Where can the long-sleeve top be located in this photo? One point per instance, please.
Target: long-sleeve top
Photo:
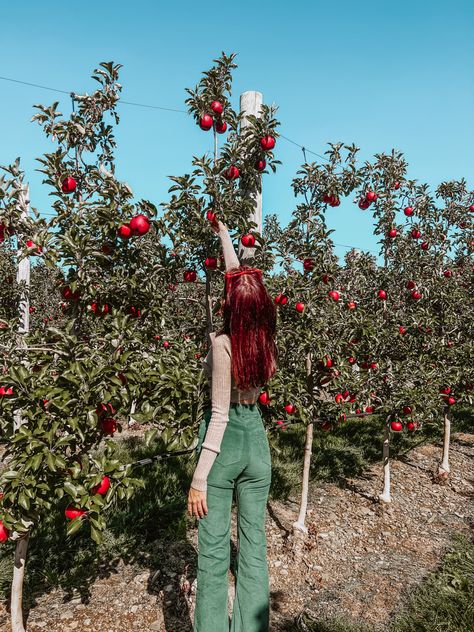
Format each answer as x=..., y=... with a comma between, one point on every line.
x=217, y=366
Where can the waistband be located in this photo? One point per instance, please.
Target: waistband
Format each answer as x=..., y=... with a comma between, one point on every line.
x=235, y=406
x=240, y=413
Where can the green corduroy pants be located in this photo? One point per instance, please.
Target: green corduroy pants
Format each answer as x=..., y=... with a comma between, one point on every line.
x=243, y=465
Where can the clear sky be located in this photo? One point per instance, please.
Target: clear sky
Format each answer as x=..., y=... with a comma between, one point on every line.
x=378, y=74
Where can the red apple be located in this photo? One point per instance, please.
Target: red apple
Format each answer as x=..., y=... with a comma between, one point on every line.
x=231, y=173
x=4, y=532
x=260, y=164
x=139, y=224
x=69, y=295
x=211, y=263
x=415, y=233
x=325, y=279
x=351, y=305
x=166, y=344
x=363, y=204
x=396, y=185
x=339, y=398
x=134, y=311
x=189, y=275
x=281, y=299
x=72, y=512
x=392, y=233
x=445, y=390
x=448, y=273
x=103, y=487
x=450, y=400
x=267, y=142
x=290, y=409
x=109, y=425
x=220, y=127
x=369, y=409
x=206, y=122
x=299, y=307
x=211, y=216
x=416, y=295
x=248, y=240
x=370, y=196
x=308, y=264
x=396, y=426
x=334, y=295
x=68, y=185
x=410, y=285
x=382, y=294
x=264, y=398
x=424, y=245
x=407, y=410
x=402, y=330
x=351, y=360
x=217, y=107
x=408, y=211
x=124, y=231
x=31, y=244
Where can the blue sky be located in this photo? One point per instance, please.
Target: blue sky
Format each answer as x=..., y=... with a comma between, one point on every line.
x=378, y=74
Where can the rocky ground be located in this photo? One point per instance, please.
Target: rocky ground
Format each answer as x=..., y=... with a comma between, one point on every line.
x=360, y=558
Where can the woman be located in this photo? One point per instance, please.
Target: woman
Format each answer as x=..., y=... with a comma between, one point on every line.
x=234, y=454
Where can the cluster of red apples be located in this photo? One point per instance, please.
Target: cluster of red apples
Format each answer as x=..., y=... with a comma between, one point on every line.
x=215, y=120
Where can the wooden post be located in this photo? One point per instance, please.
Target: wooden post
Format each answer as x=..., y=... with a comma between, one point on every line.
x=250, y=103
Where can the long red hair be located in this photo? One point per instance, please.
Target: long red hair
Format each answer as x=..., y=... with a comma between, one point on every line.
x=250, y=321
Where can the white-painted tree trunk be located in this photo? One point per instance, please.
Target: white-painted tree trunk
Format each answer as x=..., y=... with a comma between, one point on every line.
x=444, y=469
x=385, y=495
x=133, y=408
x=300, y=523
x=16, y=601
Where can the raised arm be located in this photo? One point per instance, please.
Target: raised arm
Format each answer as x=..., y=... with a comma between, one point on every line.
x=220, y=393
x=230, y=257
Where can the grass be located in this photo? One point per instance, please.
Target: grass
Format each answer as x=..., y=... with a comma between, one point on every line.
x=158, y=513
x=444, y=602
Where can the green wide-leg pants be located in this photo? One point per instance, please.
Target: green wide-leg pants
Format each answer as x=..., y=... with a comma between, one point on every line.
x=244, y=465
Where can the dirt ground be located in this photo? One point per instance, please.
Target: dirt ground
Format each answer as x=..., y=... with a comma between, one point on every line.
x=360, y=558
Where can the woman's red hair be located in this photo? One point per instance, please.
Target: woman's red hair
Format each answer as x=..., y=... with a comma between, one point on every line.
x=250, y=321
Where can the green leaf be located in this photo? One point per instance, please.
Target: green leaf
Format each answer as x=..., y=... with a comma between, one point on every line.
x=74, y=525
x=96, y=535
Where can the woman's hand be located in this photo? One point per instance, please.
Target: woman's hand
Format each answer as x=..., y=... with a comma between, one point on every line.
x=197, y=505
x=216, y=225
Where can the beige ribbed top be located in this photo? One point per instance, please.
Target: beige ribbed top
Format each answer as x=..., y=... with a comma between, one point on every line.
x=217, y=366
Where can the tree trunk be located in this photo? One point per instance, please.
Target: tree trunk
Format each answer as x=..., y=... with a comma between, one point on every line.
x=133, y=408
x=443, y=468
x=299, y=524
x=385, y=495
x=16, y=603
